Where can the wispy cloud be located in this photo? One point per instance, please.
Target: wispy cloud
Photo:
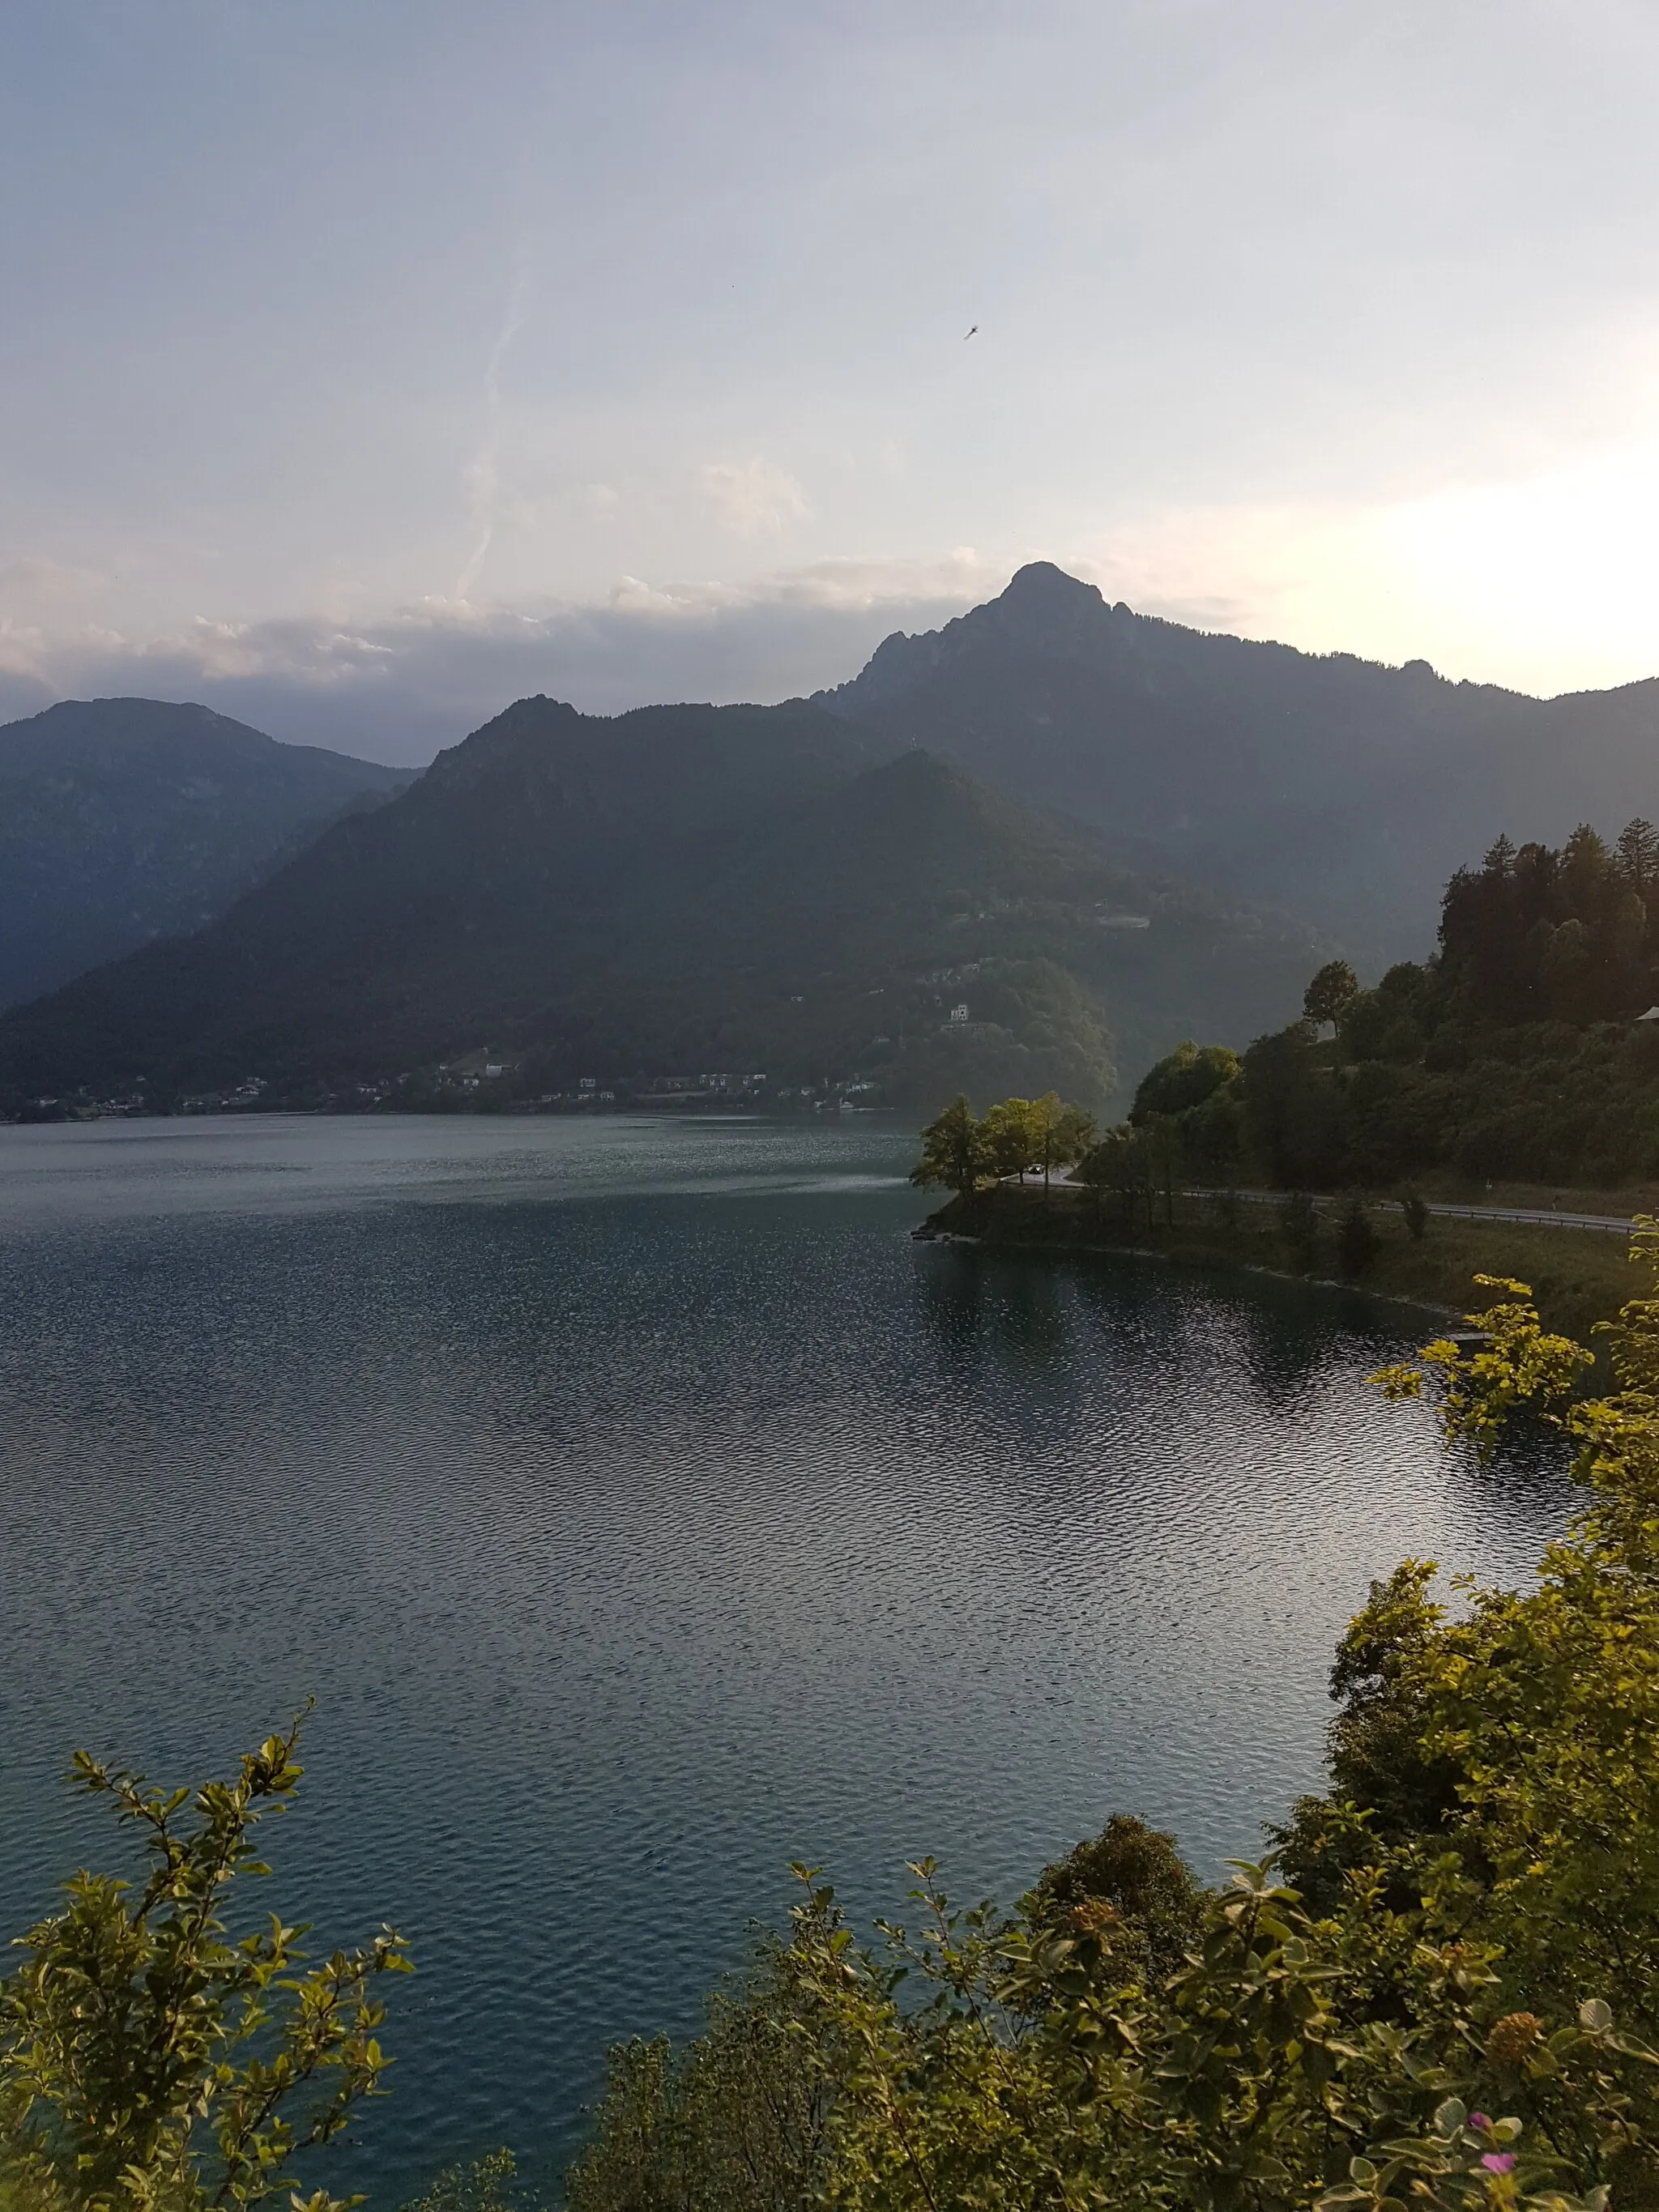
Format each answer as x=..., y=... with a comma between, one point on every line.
x=481, y=477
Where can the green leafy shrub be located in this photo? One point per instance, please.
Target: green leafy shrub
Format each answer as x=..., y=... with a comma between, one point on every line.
x=151, y=2062
x=1299, y=1225
x=1357, y=1241
x=737, y=2120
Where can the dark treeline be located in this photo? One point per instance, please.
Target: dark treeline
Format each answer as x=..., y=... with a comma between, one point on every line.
x=1518, y=1052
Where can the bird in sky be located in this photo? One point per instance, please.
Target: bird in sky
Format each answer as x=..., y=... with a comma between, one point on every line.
x=968, y=334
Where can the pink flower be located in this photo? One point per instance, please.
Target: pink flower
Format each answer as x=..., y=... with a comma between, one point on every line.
x=1499, y=2162
x=1479, y=2120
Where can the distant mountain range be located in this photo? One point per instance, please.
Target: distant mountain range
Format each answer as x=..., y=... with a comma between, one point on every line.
x=1336, y=788
x=680, y=889
x=122, y=820
x=1038, y=846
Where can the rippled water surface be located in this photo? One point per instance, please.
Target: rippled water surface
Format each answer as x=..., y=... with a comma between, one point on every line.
x=644, y=1509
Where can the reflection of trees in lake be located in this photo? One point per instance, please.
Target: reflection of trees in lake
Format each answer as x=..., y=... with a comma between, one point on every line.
x=981, y=1302
x=1293, y=1339
x=1006, y=1325
x=1035, y=1316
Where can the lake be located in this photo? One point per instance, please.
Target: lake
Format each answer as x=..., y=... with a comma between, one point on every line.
x=645, y=1510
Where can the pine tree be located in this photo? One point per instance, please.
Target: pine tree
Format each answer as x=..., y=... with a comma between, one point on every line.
x=1635, y=856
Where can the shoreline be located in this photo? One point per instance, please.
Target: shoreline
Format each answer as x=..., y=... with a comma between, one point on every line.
x=1196, y=1258
x=1578, y=1277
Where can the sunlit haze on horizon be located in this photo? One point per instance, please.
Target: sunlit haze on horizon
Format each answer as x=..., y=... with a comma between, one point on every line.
x=367, y=367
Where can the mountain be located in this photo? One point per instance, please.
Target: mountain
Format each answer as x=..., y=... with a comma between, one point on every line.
x=122, y=820
x=676, y=891
x=1338, y=788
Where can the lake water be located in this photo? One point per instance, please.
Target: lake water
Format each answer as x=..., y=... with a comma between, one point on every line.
x=644, y=1509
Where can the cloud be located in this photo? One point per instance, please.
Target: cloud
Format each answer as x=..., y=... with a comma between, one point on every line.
x=1564, y=555
x=400, y=687
x=753, y=499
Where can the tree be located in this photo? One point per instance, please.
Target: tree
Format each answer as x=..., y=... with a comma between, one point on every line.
x=1357, y=1241
x=1298, y=1222
x=736, y=2122
x=954, y=1153
x=1330, y=992
x=490, y=2183
x=1636, y=855
x=1063, y=1134
x=1011, y=1139
x=1140, y=1874
x=147, y=2060
x=1183, y=1079
x=1297, y=1116
x=1160, y=1138
x=1415, y=1208
x=1566, y=971
x=1117, y=1163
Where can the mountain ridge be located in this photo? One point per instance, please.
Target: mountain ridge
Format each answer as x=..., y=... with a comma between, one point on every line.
x=1344, y=789
x=125, y=820
x=545, y=888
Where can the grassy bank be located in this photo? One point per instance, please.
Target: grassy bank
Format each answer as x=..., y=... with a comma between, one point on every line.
x=1579, y=1276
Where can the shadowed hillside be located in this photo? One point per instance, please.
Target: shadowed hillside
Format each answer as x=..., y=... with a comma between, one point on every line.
x=122, y=820
x=680, y=889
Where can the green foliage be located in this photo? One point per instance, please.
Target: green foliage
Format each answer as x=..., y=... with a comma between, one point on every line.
x=1535, y=1707
x=1195, y=1094
x=1415, y=1209
x=487, y=2184
x=1063, y=1134
x=1566, y=935
x=1516, y=1365
x=1299, y=1227
x=955, y=1156
x=1120, y=1162
x=961, y=1154
x=1515, y=1054
x=1132, y=1881
x=737, y=2121
x=1183, y=1079
x=149, y=2058
x=1011, y=1137
x=1327, y=997
x=1357, y=1241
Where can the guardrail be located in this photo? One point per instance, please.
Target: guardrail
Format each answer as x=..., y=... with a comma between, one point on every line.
x=1612, y=1224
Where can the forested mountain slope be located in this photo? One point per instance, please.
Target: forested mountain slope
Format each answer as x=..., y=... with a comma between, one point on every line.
x=681, y=889
x=1334, y=788
x=122, y=820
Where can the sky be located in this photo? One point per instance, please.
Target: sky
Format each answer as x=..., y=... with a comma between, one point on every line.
x=365, y=364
